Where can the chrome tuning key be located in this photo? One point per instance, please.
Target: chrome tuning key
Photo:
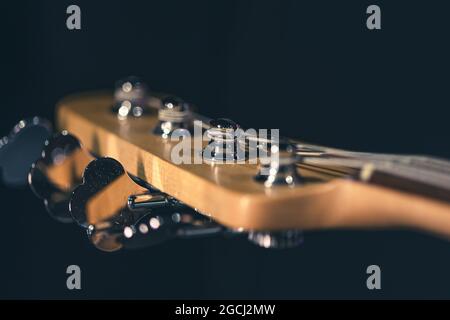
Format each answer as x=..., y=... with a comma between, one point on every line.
x=279, y=167
x=103, y=195
x=130, y=98
x=225, y=145
x=57, y=172
x=174, y=114
x=118, y=212
x=150, y=228
x=21, y=148
x=277, y=239
x=165, y=224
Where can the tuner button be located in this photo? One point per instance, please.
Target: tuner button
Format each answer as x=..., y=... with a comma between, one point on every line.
x=225, y=144
x=21, y=148
x=103, y=195
x=53, y=177
x=277, y=239
x=279, y=167
x=130, y=98
x=174, y=114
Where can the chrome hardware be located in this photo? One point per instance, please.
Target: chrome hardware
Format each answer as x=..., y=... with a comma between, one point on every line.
x=151, y=228
x=277, y=239
x=21, y=148
x=279, y=168
x=149, y=201
x=53, y=177
x=104, y=193
x=115, y=219
x=225, y=145
x=115, y=209
x=163, y=225
x=130, y=98
x=174, y=114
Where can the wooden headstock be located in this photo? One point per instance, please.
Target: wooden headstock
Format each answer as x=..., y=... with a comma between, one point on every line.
x=331, y=197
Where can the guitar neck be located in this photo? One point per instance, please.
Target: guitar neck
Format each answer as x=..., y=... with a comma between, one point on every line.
x=421, y=175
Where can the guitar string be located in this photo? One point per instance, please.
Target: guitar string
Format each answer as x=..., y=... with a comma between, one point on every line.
x=421, y=168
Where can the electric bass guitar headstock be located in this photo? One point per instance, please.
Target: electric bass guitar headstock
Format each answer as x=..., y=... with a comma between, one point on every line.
x=134, y=168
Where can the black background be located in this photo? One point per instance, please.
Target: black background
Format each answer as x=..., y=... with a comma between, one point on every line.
x=310, y=68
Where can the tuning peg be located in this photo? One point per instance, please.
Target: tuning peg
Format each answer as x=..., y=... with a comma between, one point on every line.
x=118, y=212
x=154, y=227
x=279, y=167
x=277, y=239
x=174, y=114
x=53, y=177
x=108, y=201
x=103, y=195
x=163, y=225
x=130, y=98
x=21, y=148
x=100, y=203
x=224, y=145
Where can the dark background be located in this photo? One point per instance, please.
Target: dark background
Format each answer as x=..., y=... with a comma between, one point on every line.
x=310, y=68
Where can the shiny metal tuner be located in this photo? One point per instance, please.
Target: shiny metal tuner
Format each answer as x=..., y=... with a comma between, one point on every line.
x=174, y=114
x=117, y=212
x=279, y=167
x=277, y=239
x=166, y=224
x=130, y=98
x=57, y=172
x=226, y=142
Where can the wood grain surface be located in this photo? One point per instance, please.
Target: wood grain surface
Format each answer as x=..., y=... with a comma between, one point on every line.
x=229, y=194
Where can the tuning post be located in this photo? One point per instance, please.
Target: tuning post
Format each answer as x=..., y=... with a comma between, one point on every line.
x=152, y=228
x=130, y=98
x=226, y=142
x=279, y=167
x=174, y=114
x=277, y=239
x=148, y=201
x=166, y=224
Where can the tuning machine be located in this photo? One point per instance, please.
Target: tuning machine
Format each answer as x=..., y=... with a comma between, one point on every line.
x=118, y=212
x=152, y=227
x=225, y=144
x=21, y=148
x=130, y=98
x=284, y=239
x=57, y=172
x=174, y=114
x=280, y=166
